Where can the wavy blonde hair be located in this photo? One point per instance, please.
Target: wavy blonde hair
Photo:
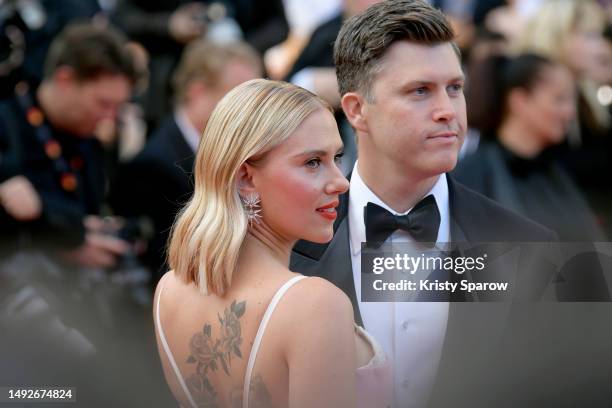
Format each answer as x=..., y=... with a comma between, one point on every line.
x=249, y=121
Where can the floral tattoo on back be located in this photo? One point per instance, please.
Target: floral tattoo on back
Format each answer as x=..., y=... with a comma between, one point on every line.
x=209, y=354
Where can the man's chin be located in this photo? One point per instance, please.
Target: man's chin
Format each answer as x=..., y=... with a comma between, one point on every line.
x=443, y=165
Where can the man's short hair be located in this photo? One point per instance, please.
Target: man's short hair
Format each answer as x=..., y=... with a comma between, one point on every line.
x=205, y=61
x=364, y=39
x=91, y=51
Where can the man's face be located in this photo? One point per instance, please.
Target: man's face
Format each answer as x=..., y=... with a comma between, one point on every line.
x=88, y=102
x=205, y=97
x=235, y=73
x=416, y=120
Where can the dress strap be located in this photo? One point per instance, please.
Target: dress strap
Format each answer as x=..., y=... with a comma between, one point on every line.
x=260, y=332
x=166, y=347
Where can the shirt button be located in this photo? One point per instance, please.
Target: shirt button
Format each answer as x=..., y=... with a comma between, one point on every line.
x=405, y=383
x=405, y=325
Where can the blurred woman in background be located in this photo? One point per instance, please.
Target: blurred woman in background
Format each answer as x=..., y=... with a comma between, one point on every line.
x=514, y=165
x=571, y=32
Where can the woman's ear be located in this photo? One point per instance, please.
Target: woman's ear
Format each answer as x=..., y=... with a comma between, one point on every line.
x=244, y=180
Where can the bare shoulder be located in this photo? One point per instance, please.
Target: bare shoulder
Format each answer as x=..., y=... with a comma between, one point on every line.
x=315, y=304
x=166, y=286
x=164, y=282
x=317, y=294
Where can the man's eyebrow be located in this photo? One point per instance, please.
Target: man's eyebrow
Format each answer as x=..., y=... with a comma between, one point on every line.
x=424, y=82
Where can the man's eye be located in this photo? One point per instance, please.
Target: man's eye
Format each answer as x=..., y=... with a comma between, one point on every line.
x=338, y=157
x=313, y=163
x=456, y=88
x=420, y=91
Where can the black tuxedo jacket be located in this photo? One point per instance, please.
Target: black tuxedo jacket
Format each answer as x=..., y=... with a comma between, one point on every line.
x=471, y=221
x=156, y=184
x=494, y=353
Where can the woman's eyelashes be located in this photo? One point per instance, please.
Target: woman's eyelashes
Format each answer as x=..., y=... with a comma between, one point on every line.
x=315, y=162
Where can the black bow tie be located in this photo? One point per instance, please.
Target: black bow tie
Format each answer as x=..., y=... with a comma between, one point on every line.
x=422, y=222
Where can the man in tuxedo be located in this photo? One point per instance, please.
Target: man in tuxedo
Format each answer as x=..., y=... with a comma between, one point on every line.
x=158, y=181
x=401, y=85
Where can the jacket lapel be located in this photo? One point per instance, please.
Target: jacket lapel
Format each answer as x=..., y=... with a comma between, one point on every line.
x=474, y=328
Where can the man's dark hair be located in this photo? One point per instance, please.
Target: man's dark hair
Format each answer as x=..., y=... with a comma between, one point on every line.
x=91, y=51
x=364, y=39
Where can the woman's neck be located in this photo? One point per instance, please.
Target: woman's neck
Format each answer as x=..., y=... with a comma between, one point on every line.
x=516, y=137
x=261, y=244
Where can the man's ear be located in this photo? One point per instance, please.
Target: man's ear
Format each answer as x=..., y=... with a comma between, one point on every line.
x=355, y=109
x=244, y=180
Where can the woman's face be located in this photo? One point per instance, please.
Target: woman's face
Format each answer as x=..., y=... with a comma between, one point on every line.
x=299, y=181
x=589, y=55
x=550, y=106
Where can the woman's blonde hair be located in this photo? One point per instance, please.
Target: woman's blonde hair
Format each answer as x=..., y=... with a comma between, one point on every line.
x=249, y=121
x=547, y=31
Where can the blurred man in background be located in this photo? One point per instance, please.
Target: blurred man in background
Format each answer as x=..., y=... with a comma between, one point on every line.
x=88, y=75
x=159, y=180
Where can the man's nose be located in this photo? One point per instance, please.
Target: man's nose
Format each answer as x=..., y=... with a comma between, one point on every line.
x=444, y=109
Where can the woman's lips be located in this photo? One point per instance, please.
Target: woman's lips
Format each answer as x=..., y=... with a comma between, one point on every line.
x=328, y=211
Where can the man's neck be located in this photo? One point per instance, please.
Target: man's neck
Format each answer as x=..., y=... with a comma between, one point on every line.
x=194, y=118
x=397, y=188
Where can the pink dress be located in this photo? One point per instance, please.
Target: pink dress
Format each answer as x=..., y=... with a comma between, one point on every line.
x=374, y=380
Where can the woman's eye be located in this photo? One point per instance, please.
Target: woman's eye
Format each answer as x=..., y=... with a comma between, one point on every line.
x=313, y=163
x=338, y=157
x=420, y=91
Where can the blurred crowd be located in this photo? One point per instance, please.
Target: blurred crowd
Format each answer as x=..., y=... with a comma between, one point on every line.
x=102, y=103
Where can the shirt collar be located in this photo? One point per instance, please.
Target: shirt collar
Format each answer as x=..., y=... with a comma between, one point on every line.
x=360, y=194
x=189, y=132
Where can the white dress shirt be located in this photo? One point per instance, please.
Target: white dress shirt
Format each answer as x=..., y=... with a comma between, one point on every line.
x=189, y=132
x=411, y=333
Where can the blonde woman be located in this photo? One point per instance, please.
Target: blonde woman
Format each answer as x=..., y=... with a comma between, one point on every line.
x=235, y=326
x=571, y=32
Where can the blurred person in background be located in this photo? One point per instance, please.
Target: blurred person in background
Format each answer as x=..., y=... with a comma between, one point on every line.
x=303, y=18
x=514, y=164
x=38, y=22
x=159, y=180
x=571, y=32
x=62, y=317
x=511, y=18
x=88, y=75
x=466, y=17
x=164, y=28
x=314, y=70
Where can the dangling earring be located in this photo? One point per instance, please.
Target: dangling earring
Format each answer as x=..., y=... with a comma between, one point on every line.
x=252, y=207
